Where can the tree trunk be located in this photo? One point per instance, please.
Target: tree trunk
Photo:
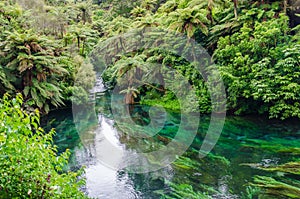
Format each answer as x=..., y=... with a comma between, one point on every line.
x=285, y=3
x=84, y=16
x=129, y=99
x=235, y=2
x=27, y=79
x=83, y=45
x=78, y=43
x=209, y=9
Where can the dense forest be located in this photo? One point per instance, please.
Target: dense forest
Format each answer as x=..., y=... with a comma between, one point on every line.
x=253, y=44
x=47, y=63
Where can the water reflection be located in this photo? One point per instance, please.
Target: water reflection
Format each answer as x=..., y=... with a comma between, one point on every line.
x=243, y=140
x=102, y=181
x=113, y=181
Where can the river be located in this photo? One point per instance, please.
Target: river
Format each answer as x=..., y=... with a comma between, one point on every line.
x=243, y=140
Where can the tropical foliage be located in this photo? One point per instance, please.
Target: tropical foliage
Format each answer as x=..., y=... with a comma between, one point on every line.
x=48, y=54
x=38, y=56
x=30, y=167
x=260, y=66
x=251, y=43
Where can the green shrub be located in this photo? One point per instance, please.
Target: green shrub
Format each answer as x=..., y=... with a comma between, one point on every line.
x=260, y=68
x=29, y=164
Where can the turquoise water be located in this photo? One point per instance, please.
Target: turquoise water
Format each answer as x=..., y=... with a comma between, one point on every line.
x=222, y=174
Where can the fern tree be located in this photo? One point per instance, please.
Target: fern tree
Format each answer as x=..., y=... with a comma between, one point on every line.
x=86, y=11
x=84, y=37
x=127, y=72
x=35, y=66
x=187, y=20
x=184, y=16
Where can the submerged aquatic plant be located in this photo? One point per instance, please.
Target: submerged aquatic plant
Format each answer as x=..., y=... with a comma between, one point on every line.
x=178, y=191
x=277, y=145
x=290, y=167
x=251, y=192
x=185, y=163
x=276, y=189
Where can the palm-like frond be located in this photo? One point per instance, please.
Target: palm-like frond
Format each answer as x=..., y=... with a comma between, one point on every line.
x=188, y=20
x=36, y=61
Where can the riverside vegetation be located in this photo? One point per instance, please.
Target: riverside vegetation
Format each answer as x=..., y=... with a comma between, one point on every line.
x=45, y=64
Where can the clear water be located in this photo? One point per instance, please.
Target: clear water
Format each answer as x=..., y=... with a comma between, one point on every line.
x=243, y=140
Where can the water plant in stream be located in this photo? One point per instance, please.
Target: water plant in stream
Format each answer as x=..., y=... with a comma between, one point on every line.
x=186, y=163
x=288, y=187
x=275, y=145
x=251, y=192
x=282, y=180
x=178, y=191
x=275, y=189
x=289, y=167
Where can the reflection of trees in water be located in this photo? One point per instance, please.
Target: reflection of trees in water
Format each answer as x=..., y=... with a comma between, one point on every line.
x=86, y=123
